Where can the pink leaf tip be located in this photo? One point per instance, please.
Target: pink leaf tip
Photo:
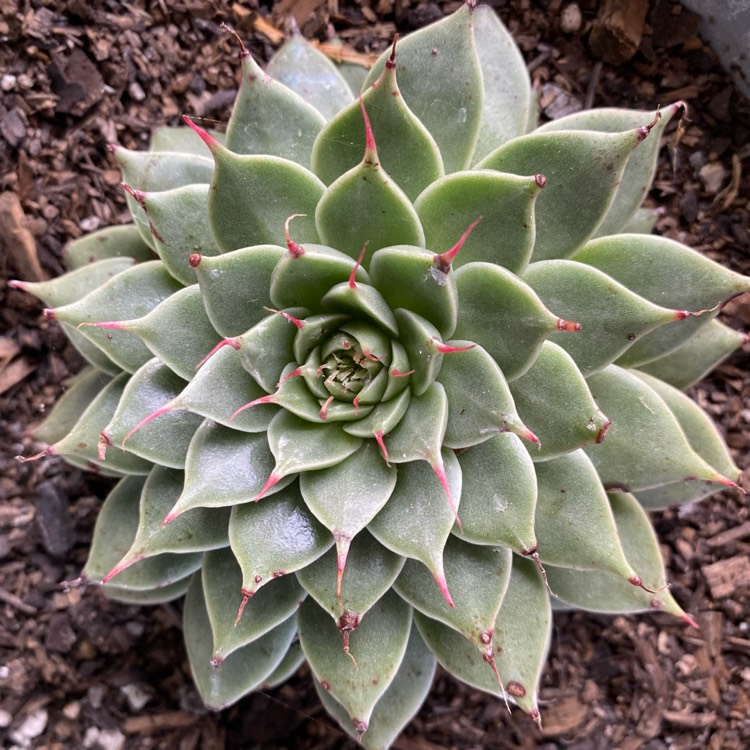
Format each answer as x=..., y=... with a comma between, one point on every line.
x=381, y=444
x=439, y=577
x=233, y=342
x=568, y=326
x=154, y=414
x=195, y=260
x=273, y=480
x=270, y=399
x=211, y=142
x=124, y=564
x=324, y=409
x=448, y=349
x=246, y=596
x=352, y=282
x=137, y=195
x=644, y=130
x=295, y=249
x=299, y=323
x=371, y=152
x=443, y=261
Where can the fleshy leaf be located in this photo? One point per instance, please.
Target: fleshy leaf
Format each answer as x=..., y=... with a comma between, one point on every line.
x=378, y=644
x=241, y=672
x=507, y=88
x=504, y=201
x=83, y=440
x=417, y=520
x=397, y=706
x=224, y=468
x=606, y=592
x=308, y=72
x=441, y=82
x=583, y=170
x=421, y=340
x=370, y=572
x=179, y=220
x=119, y=241
x=180, y=140
x=413, y=279
x=275, y=537
x=272, y=605
x=130, y=294
x=220, y=388
x=115, y=530
x=361, y=301
x=235, y=287
x=159, y=595
x=350, y=212
x=407, y=151
x=498, y=497
x=645, y=446
x=347, y=496
x=292, y=661
x=641, y=167
x=612, y=317
x=317, y=328
x=162, y=438
x=552, y=395
x=199, y=531
x=478, y=577
x=648, y=266
x=80, y=391
x=573, y=523
x=383, y=418
x=700, y=354
x=270, y=119
x=480, y=404
x=504, y=315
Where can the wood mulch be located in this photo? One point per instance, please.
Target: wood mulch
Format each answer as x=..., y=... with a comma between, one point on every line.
x=77, y=671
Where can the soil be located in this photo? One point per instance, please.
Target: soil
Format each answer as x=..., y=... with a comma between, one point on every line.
x=79, y=671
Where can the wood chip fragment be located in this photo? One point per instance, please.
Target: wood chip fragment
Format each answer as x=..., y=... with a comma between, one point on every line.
x=14, y=373
x=690, y=721
x=730, y=535
x=158, y=722
x=616, y=34
x=268, y=30
x=17, y=240
x=344, y=53
x=725, y=576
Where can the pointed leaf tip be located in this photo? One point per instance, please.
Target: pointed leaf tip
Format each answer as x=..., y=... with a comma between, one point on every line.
x=273, y=479
x=685, y=617
x=233, y=342
x=154, y=414
x=448, y=349
x=442, y=583
x=246, y=596
x=352, y=282
x=568, y=325
x=371, y=152
x=390, y=63
x=443, y=261
x=211, y=142
x=138, y=195
x=295, y=249
x=644, y=130
x=243, y=50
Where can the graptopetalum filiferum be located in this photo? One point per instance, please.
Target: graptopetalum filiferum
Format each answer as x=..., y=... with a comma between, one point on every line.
x=388, y=377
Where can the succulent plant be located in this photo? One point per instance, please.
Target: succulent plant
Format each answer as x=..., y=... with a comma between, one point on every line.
x=387, y=379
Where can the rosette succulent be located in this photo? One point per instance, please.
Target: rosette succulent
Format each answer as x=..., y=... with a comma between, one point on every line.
x=388, y=377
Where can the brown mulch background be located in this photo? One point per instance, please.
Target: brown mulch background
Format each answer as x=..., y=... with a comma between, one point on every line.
x=77, y=671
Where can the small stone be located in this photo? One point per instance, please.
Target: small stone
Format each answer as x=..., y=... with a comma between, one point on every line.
x=72, y=710
x=96, y=695
x=713, y=176
x=90, y=223
x=136, y=695
x=136, y=91
x=5, y=718
x=103, y=739
x=8, y=82
x=33, y=725
x=571, y=19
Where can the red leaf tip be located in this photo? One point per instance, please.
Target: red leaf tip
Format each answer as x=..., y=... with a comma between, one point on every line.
x=211, y=142
x=644, y=130
x=195, y=260
x=448, y=349
x=443, y=261
x=299, y=323
x=138, y=195
x=568, y=326
x=370, y=148
x=230, y=30
x=233, y=342
x=390, y=63
x=352, y=282
x=294, y=248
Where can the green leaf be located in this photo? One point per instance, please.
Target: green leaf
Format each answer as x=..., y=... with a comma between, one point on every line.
x=412, y=278
x=302, y=279
x=80, y=391
x=642, y=221
x=553, y=396
x=347, y=496
x=417, y=520
x=163, y=440
x=235, y=287
x=507, y=88
x=83, y=441
x=275, y=537
x=292, y=661
x=177, y=331
x=582, y=170
x=161, y=595
x=398, y=704
x=222, y=584
x=152, y=172
x=119, y=241
x=223, y=468
x=480, y=404
x=504, y=315
x=421, y=341
x=498, y=497
x=199, y=531
x=611, y=317
x=700, y=354
x=220, y=388
x=130, y=294
x=179, y=139
x=317, y=328
x=383, y=418
x=252, y=196
x=407, y=151
x=378, y=645
x=441, y=82
x=363, y=302
x=241, y=672
x=270, y=119
x=115, y=530
x=179, y=220
x=573, y=523
x=648, y=266
x=641, y=167
x=645, y=446
x=351, y=211
x=309, y=73
x=606, y=592
x=267, y=348
x=505, y=202
x=478, y=577
x=370, y=572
